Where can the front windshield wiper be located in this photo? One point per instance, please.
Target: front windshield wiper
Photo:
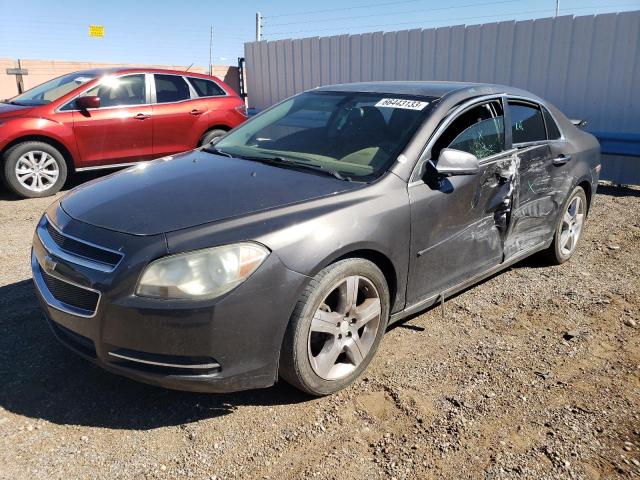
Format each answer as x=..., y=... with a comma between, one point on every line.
x=213, y=149
x=284, y=162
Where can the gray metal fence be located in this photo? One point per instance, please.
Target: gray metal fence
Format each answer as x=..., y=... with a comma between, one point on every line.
x=589, y=66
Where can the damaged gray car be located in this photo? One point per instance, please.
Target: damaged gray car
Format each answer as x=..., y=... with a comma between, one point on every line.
x=287, y=248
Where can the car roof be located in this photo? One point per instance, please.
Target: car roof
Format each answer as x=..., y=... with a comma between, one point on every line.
x=113, y=70
x=436, y=89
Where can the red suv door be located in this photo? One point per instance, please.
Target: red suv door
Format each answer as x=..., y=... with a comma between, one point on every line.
x=120, y=130
x=176, y=111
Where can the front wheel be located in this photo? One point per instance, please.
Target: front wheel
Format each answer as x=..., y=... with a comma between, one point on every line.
x=336, y=327
x=569, y=228
x=34, y=169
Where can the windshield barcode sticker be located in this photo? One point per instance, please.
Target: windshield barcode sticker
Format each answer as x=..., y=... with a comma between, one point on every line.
x=402, y=103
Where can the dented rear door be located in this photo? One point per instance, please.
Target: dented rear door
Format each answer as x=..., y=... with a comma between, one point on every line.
x=534, y=204
x=539, y=185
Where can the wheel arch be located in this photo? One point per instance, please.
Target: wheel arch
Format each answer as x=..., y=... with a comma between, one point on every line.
x=68, y=157
x=585, y=184
x=379, y=259
x=220, y=126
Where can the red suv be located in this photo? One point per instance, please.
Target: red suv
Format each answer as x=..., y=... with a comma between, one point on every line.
x=107, y=118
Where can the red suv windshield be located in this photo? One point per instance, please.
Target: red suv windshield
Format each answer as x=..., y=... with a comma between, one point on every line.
x=52, y=90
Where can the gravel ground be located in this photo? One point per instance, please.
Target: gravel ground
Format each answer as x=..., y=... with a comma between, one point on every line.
x=535, y=373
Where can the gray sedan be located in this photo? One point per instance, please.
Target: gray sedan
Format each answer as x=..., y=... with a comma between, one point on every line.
x=286, y=249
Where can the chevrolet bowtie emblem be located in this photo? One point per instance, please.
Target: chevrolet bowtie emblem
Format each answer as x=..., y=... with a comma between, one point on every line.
x=50, y=264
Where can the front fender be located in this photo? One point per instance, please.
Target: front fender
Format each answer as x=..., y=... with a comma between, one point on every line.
x=15, y=129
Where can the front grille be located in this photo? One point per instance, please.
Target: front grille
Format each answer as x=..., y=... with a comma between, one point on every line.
x=76, y=247
x=71, y=295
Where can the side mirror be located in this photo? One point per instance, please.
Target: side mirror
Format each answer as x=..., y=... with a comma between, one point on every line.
x=456, y=162
x=83, y=103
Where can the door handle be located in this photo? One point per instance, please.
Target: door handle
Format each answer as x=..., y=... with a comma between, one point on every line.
x=196, y=112
x=141, y=116
x=561, y=160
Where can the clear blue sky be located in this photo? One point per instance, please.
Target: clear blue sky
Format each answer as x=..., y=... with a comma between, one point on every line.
x=177, y=32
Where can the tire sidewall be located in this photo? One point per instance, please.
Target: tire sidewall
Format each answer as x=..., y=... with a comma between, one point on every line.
x=209, y=136
x=557, y=248
x=311, y=381
x=11, y=158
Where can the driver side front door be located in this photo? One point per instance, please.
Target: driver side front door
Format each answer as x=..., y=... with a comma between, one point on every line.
x=120, y=131
x=458, y=223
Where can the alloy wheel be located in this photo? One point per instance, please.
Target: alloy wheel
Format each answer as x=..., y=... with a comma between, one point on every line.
x=572, y=223
x=37, y=171
x=344, y=328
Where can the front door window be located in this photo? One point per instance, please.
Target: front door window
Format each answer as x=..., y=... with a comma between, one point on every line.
x=119, y=91
x=479, y=131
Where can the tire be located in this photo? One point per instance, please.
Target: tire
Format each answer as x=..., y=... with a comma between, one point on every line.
x=44, y=169
x=210, y=136
x=569, y=227
x=324, y=326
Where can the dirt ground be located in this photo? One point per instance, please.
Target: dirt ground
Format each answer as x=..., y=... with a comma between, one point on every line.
x=535, y=373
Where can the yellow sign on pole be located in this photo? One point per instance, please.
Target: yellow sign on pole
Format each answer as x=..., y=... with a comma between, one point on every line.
x=96, y=31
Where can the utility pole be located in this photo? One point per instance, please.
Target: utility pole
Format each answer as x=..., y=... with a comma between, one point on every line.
x=210, y=50
x=557, y=7
x=258, y=26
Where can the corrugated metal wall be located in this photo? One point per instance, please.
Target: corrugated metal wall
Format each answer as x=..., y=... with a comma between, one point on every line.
x=589, y=66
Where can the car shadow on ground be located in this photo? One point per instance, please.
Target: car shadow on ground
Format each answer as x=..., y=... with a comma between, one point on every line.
x=618, y=191
x=41, y=379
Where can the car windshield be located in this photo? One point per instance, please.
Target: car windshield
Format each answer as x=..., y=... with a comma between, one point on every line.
x=52, y=90
x=353, y=135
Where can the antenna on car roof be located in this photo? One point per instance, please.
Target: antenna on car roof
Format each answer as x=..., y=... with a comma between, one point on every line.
x=188, y=68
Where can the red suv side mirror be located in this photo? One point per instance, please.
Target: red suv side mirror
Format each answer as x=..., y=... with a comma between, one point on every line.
x=83, y=103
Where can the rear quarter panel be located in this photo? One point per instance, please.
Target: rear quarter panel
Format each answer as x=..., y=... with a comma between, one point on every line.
x=584, y=149
x=220, y=112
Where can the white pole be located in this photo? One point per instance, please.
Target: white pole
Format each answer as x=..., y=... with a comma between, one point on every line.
x=210, y=51
x=258, y=27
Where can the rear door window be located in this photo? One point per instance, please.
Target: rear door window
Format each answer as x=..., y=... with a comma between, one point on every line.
x=206, y=88
x=527, y=123
x=553, y=132
x=171, y=88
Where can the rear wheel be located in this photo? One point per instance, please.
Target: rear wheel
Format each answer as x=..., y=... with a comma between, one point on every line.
x=34, y=169
x=336, y=327
x=569, y=228
x=210, y=136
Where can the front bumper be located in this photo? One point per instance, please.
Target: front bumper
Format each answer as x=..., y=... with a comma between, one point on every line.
x=226, y=344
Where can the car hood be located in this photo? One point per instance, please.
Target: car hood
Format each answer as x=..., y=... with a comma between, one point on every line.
x=8, y=110
x=192, y=189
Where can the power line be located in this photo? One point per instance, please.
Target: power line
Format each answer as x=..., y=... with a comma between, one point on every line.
x=395, y=13
x=343, y=8
x=379, y=25
x=447, y=20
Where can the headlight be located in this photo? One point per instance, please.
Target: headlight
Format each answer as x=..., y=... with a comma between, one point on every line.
x=200, y=274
